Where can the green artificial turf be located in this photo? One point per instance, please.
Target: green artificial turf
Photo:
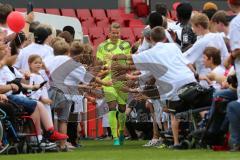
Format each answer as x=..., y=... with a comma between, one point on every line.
x=132, y=150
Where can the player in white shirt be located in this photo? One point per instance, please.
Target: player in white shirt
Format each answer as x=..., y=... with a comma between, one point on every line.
x=233, y=109
x=194, y=55
x=38, y=47
x=167, y=65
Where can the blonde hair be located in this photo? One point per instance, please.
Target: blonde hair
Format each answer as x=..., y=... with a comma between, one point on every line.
x=200, y=19
x=60, y=47
x=115, y=26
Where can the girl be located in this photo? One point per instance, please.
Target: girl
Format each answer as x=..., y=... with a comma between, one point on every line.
x=39, y=77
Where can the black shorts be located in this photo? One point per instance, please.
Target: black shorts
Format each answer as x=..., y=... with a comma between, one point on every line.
x=177, y=107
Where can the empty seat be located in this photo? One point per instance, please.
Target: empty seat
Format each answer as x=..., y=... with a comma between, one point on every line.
x=136, y=23
x=68, y=12
x=53, y=11
x=113, y=14
x=95, y=33
x=41, y=10
x=83, y=14
x=21, y=9
x=88, y=23
x=106, y=31
x=98, y=14
x=138, y=32
x=99, y=40
x=126, y=33
x=103, y=23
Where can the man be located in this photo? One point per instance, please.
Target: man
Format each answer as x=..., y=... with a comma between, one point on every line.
x=114, y=95
x=233, y=109
x=220, y=22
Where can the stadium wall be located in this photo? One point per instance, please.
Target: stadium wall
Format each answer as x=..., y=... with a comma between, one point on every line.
x=91, y=4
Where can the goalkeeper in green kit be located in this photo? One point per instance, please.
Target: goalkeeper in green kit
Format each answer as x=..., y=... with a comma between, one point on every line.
x=114, y=95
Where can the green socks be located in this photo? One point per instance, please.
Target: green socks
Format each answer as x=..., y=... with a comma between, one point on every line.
x=113, y=123
x=122, y=120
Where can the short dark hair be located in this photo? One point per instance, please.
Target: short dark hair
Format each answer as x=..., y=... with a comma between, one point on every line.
x=220, y=17
x=155, y=19
x=209, y=13
x=214, y=53
x=5, y=10
x=161, y=8
x=158, y=34
x=184, y=11
x=70, y=29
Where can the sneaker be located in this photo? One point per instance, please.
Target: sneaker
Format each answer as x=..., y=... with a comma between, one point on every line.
x=176, y=146
x=56, y=136
x=152, y=143
x=47, y=145
x=116, y=142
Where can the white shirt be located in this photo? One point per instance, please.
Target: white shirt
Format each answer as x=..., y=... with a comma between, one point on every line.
x=74, y=77
x=6, y=75
x=42, y=92
x=167, y=64
x=42, y=50
x=195, y=53
x=234, y=33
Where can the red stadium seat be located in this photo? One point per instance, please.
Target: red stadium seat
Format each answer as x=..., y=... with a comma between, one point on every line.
x=99, y=14
x=126, y=33
x=88, y=23
x=40, y=10
x=21, y=9
x=113, y=14
x=103, y=23
x=136, y=23
x=138, y=32
x=142, y=10
x=96, y=33
x=83, y=14
x=85, y=30
x=106, y=31
x=97, y=41
x=68, y=12
x=53, y=11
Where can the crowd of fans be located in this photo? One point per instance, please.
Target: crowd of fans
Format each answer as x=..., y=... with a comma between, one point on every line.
x=50, y=74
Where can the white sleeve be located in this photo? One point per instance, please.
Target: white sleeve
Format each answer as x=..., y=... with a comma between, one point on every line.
x=234, y=36
x=224, y=50
x=80, y=74
x=144, y=46
x=195, y=52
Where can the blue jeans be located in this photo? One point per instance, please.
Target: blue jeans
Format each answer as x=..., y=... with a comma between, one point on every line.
x=233, y=115
x=228, y=94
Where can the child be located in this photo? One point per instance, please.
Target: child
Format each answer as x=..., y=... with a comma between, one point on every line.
x=38, y=76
